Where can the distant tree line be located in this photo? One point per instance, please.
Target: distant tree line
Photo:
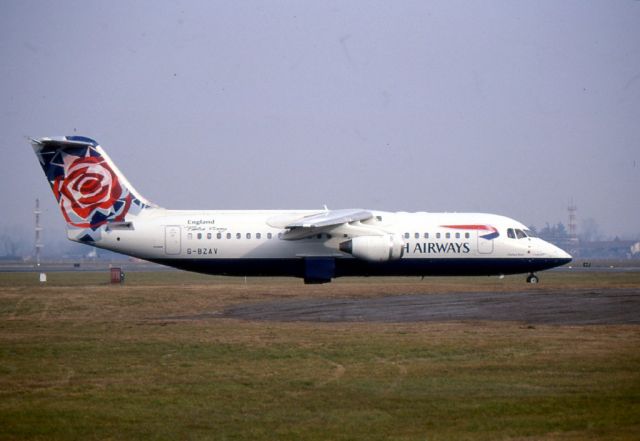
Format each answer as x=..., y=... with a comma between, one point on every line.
x=557, y=234
x=589, y=243
x=13, y=243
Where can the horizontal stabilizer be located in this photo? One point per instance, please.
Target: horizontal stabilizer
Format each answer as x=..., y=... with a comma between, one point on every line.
x=61, y=142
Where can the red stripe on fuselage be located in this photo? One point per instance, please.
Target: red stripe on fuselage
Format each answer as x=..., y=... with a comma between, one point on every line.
x=469, y=227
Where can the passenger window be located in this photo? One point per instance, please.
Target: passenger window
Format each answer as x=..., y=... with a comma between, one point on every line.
x=467, y=235
x=269, y=235
x=448, y=235
x=426, y=235
x=219, y=235
x=238, y=236
x=457, y=235
x=208, y=235
x=511, y=234
x=199, y=236
x=258, y=235
x=248, y=235
x=417, y=235
x=520, y=234
x=406, y=235
x=437, y=235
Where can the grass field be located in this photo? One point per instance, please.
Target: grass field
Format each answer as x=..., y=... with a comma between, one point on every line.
x=81, y=359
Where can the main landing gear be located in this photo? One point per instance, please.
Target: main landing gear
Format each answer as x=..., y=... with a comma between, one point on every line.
x=532, y=278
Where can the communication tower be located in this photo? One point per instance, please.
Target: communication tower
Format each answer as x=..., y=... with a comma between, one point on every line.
x=38, y=244
x=573, y=228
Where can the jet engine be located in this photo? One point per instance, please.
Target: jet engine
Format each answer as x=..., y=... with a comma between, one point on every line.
x=374, y=248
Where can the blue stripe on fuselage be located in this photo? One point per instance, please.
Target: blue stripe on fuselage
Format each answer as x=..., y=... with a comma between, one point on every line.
x=356, y=267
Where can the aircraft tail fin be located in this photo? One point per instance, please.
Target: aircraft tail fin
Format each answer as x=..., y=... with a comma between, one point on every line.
x=90, y=190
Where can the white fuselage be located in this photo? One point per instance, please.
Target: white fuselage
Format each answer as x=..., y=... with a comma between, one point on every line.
x=229, y=238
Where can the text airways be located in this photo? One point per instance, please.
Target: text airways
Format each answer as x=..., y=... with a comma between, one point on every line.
x=437, y=248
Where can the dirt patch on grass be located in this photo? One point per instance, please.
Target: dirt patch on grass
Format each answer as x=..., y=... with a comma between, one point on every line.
x=579, y=307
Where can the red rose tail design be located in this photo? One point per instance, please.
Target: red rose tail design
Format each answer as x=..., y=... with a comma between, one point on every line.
x=90, y=190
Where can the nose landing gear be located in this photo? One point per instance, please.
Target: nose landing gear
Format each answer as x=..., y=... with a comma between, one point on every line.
x=532, y=278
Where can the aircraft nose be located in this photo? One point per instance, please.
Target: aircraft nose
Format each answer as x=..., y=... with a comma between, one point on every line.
x=559, y=253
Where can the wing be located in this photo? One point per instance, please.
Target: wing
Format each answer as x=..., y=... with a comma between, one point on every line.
x=315, y=223
x=330, y=218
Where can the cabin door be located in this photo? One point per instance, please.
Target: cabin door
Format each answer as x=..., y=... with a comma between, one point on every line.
x=172, y=240
x=485, y=246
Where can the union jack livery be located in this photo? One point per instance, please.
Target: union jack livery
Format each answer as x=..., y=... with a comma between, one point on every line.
x=101, y=208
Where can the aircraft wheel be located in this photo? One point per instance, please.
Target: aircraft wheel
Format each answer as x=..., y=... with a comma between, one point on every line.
x=532, y=278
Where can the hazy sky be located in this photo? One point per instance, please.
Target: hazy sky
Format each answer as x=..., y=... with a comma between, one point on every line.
x=509, y=107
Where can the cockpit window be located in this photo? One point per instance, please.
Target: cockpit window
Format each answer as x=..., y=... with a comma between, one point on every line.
x=520, y=234
x=511, y=234
x=530, y=233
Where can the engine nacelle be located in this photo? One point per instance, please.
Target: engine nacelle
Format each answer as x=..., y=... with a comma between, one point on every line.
x=374, y=248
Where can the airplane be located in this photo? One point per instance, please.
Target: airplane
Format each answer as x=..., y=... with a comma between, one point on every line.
x=101, y=208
